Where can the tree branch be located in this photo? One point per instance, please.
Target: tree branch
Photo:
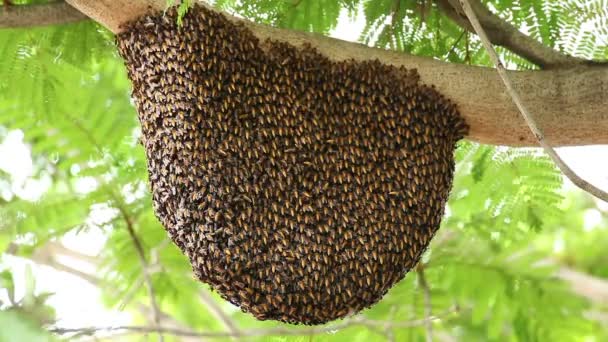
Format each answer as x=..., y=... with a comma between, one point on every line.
x=114, y=14
x=153, y=266
x=221, y=316
x=280, y=331
x=502, y=33
x=593, y=288
x=39, y=15
x=499, y=31
x=424, y=285
x=144, y=264
x=46, y=255
x=530, y=120
x=570, y=104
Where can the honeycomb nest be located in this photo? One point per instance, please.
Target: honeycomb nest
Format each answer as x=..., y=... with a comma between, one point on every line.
x=300, y=188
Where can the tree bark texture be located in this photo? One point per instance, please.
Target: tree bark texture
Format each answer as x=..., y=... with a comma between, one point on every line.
x=38, y=15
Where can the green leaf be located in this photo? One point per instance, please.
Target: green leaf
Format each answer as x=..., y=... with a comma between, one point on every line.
x=7, y=283
x=17, y=326
x=5, y=241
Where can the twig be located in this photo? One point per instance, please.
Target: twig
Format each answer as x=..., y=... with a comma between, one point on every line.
x=390, y=334
x=395, y=10
x=428, y=312
x=145, y=269
x=51, y=262
x=501, y=32
x=394, y=13
x=217, y=312
x=467, y=56
x=55, y=247
x=153, y=267
x=565, y=169
x=453, y=47
x=154, y=252
x=46, y=256
x=126, y=299
x=280, y=331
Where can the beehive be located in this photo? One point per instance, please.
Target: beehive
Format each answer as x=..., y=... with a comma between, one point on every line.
x=301, y=189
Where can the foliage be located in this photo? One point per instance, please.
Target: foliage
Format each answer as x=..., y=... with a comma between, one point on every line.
x=65, y=88
x=23, y=318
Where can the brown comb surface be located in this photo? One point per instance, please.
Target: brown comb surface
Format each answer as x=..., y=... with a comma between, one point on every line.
x=300, y=188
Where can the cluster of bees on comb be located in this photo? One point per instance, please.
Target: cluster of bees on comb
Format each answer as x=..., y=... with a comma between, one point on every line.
x=301, y=189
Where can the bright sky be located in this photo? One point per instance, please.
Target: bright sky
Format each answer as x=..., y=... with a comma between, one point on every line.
x=77, y=302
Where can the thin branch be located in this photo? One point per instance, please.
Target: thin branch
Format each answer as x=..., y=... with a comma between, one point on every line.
x=578, y=181
x=467, y=56
x=49, y=260
x=230, y=325
x=456, y=43
x=145, y=269
x=58, y=248
x=128, y=297
x=154, y=252
x=393, y=23
x=502, y=33
x=232, y=328
x=427, y=301
x=590, y=287
x=280, y=331
x=53, y=13
x=395, y=11
x=390, y=334
x=45, y=256
x=153, y=267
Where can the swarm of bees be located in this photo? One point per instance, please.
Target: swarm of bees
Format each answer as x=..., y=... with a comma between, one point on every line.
x=301, y=189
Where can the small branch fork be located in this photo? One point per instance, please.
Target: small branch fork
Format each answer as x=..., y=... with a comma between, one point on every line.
x=174, y=328
x=219, y=314
x=564, y=168
x=357, y=321
x=424, y=285
x=501, y=32
x=156, y=313
x=591, y=288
